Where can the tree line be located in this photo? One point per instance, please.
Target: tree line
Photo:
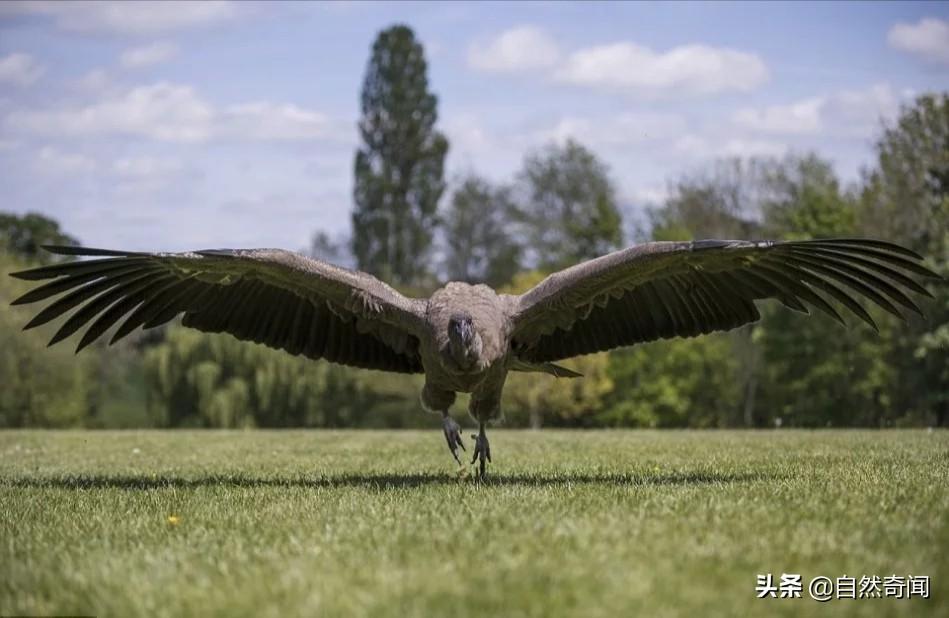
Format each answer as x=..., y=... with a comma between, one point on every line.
x=561, y=207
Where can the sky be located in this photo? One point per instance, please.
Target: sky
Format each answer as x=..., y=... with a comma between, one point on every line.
x=172, y=126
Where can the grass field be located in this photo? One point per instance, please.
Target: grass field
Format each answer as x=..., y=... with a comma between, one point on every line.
x=327, y=523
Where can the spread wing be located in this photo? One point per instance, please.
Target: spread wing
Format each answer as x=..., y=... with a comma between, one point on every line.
x=661, y=290
x=279, y=298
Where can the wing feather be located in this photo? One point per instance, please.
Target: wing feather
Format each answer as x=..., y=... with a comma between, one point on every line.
x=818, y=268
x=278, y=298
x=669, y=289
x=873, y=281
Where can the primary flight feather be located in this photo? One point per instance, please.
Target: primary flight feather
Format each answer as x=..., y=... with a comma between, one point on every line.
x=465, y=338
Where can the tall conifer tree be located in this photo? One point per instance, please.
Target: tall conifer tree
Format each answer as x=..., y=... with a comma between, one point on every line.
x=399, y=169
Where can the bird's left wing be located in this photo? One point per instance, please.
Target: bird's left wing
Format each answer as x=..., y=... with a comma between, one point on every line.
x=669, y=289
x=279, y=298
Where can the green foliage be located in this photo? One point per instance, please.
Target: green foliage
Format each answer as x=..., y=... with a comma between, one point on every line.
x=536, y=399
x=22, y=236
x=201, y=380
x=814, y=372
x=905, y=195
x=719, y=202
x=804, y=200
x=788, y=368
x=479, y=246
x=399, y=169
x=710, y=381
x=569, y=213
x=52, y=387
x=906, y=199
x=676, y=383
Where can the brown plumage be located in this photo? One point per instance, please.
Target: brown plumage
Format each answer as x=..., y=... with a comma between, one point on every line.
x=465, y=338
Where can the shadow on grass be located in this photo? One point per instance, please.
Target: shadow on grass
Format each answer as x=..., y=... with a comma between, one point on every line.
x=383, y=481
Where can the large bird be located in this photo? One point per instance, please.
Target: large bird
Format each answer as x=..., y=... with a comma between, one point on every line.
x=466, y=338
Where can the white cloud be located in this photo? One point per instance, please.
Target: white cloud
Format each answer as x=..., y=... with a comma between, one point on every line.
x=272, y=121
x=800, y=117
x=148, y=55
x=94, y=81
x=691, y=144
x=846, y=113
x=689, y=70
x=520, y=49
x=475, y=145
x=467, y=134
x=162, y=111
x=647, y=194
x=142, y=17
x=929, y=38
x=740, y=147
x=174, y=113
x=498, y=151
x=859, y=113
x=20, y=69
x=51, y=160
x=145, y=167
x=699, y=147
x=144, y=177
x=621, y=130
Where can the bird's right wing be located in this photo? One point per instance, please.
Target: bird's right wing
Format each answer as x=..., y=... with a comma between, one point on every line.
x=683, y=289
x=279, y=298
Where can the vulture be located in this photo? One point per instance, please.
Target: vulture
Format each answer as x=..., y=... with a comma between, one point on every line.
x=466, y=338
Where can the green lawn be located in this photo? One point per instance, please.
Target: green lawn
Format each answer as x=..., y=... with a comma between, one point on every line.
x=344, y=523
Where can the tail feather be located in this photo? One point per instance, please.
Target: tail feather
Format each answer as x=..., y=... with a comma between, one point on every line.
x=557, y=371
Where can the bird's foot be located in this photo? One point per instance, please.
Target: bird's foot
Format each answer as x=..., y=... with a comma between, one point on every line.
x=452, y=435
x=482, y=451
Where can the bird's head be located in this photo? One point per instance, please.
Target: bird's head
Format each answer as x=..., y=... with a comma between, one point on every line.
x=464, y=338
x=461, y=329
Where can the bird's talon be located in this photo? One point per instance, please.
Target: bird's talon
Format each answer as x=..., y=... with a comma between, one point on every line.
x=452, y=432
x=482, y=451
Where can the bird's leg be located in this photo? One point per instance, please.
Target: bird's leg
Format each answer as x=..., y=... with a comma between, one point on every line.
x=482, y=450
x=435, y=399
x=452, y=435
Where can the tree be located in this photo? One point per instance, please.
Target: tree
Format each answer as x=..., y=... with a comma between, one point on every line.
x=816, y=373
x=399, y=169
x=205, y=380
x=478, y=244
x=906, y=200
x=721, y=202
x=802, y=369
x=569, y=212
x=905, y=195
x=52, y=387
x=24, y=235
x=804, y=200
x=673, y=383
x=330, y=249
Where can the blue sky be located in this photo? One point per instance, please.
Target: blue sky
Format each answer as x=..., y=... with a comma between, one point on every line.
x=185, y=125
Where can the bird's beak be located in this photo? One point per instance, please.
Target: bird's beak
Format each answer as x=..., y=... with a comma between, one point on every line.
x=467, y=332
